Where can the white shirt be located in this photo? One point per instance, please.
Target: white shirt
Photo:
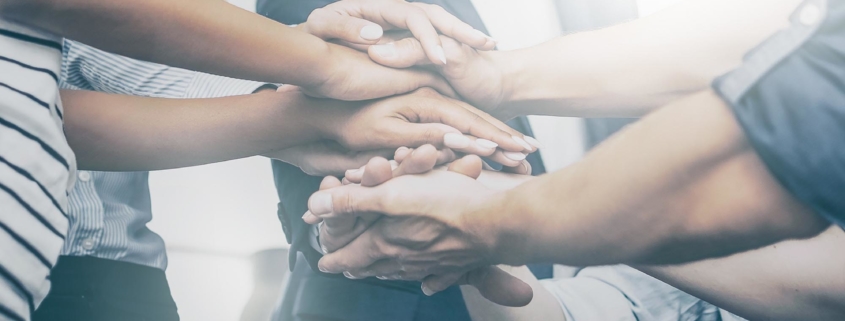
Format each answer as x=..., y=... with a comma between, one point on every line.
x=36, y=166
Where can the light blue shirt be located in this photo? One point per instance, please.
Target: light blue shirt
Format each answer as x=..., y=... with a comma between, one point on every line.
x=109, y=211
x=622, y=293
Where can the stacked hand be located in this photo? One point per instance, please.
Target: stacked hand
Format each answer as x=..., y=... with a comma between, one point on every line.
x=364, y=244
x=351, y=75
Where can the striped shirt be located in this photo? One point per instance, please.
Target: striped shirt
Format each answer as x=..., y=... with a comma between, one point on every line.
x=109, y=210
x=36, y=164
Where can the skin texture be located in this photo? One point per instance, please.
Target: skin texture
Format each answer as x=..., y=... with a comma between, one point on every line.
x=675, y=174
x=154, y=133
x=188, y=34
x=782, y=281
x=668, y=55
x=492, y=283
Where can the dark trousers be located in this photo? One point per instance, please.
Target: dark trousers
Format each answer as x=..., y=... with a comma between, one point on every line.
x=312, y=296
x=93, y=289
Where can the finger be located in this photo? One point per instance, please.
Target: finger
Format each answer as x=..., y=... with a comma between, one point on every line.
x=333, y=239
x=526, y=142
x=401, y=15
x=470, y=145
x=420, y=160
x=403, y=53
x=487, y=127
x=524, y=168
x=445, y=111
x=327, y=183
x=499, y=286
x=354, y=175
x=510, y=159
x=453, y=27
x=378, y=170
x=436, y=283
x=469, y=165
x=358, y=254
x=401, y=153
x=326, y=25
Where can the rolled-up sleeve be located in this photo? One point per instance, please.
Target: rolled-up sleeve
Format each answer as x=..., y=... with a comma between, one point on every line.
x=88, y=68
x=621, y=293
x=789, y=98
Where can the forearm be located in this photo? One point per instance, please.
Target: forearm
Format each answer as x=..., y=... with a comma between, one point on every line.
x=125, y=133
x=790, y=280
x=685, y=174
x=629, y=69
x=187, y=34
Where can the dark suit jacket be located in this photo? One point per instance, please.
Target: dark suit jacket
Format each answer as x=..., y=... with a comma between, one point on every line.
x=313, y=295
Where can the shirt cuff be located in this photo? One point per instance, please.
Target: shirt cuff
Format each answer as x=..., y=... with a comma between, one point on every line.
x=213, y=86
x=314, y=238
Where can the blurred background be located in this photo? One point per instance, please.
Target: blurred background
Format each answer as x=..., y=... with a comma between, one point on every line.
x=225, y=245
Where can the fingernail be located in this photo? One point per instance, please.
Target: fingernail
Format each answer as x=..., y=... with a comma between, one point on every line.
x=453, y=140
x=371, y=32
x=516, y=156
x=352, y=171
x=324, y=248
x=322, y=269
x=308, y=217
x=321, y=203
x=534, y=142
x=440, y=54
x=349, y=276
x=521, y=142
x=383, y=278
x=393, y=164
x=486, y=144
x=478, y=33
x=386, y=51
x=426, y=290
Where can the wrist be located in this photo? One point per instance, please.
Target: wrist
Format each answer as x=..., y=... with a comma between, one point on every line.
x=502, y=234
x=512, y=69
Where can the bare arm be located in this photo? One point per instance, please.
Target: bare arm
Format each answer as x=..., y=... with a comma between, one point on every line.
x=685, y=174
x=792, y=280
x=622, y=71
x=629, y=69
x=219, y=38
x=117, y=132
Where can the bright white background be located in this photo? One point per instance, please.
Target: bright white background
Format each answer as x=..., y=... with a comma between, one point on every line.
x=212, y=217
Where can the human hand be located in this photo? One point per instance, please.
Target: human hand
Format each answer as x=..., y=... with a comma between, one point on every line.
x=359, y=23
x=493, y=283
x=479, y=77
x=422, y=117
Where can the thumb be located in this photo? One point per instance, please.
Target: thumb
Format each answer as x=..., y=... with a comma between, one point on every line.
x=400, y=54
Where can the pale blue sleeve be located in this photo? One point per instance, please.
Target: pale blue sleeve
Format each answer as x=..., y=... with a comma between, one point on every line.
x=621, y=293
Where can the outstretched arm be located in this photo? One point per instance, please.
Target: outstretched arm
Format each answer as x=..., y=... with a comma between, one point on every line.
x=123, y=133
x=219, y=38
x=625, y=70
x=791, y=280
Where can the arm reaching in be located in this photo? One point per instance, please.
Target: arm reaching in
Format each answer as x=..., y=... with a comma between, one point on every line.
x=189, y=34
x=684, y=173
x=625, y=70
x=156, y=133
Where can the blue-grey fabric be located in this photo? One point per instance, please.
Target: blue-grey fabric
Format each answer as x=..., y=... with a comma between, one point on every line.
x=789, y=97
x=621, y=293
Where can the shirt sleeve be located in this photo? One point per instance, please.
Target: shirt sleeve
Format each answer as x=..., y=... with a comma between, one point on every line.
x=622, y=293
x=88, y=68
x=788, y=97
